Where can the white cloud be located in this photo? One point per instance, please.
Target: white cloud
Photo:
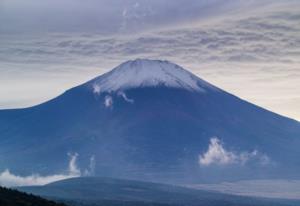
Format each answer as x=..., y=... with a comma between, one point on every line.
x=218, y=155
x=91, y=170
x=9, y=179
x=108, y=101
x=262, y=159
x=73, y=168
x=96, y=89
x=123, y=94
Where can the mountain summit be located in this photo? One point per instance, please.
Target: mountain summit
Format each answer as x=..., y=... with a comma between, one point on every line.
x=148, y=73
x=151, y=120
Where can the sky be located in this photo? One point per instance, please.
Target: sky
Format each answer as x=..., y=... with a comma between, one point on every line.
x=248, y=48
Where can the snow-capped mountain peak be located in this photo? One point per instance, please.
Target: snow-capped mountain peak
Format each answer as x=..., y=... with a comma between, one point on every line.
x=148, y=73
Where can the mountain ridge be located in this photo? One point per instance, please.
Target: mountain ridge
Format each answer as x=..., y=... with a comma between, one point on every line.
x=151, y=133
x=97, y=189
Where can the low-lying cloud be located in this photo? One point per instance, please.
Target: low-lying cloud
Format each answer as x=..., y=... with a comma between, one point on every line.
x=9, y=179
x=218, y=155
x=108, y=101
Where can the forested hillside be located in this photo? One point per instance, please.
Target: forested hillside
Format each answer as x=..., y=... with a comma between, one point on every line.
x=10, y=197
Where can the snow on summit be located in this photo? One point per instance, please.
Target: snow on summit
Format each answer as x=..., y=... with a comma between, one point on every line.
x=147, y=73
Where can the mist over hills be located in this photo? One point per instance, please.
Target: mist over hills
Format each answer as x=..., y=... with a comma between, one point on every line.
x=98, y=191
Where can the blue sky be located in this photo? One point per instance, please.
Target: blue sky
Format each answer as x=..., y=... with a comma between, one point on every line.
x=249, y=48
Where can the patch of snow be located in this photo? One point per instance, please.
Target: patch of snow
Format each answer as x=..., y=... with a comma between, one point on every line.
x=148, y=73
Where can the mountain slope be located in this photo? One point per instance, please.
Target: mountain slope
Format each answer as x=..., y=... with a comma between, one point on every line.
x=151, y=120
x=98, y=189
x=11, y=197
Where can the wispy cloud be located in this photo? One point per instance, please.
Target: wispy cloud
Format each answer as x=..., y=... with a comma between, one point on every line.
x=108, y=101
x=96, y=89
x=91, y=170
x=218, y=155
x=73, y=168
x=9, y=179
x=106, y=16
x=124, y=96
x=273, y=188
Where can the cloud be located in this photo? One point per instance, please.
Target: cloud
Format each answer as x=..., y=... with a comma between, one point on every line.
x=123, y=94
x=262, y=38
x=9, y=179
x=218, y=155
x=108, y=101
x=271, y=188
x=91, y=170
x=96, y=89
x=104, y=16
x=73, y=168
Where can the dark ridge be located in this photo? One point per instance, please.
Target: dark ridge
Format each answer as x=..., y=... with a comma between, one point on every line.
x=11, y=197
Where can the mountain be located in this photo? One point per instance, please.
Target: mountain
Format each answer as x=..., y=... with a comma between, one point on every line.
x=11, y=197
x=151, y=120
x=99, y=190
